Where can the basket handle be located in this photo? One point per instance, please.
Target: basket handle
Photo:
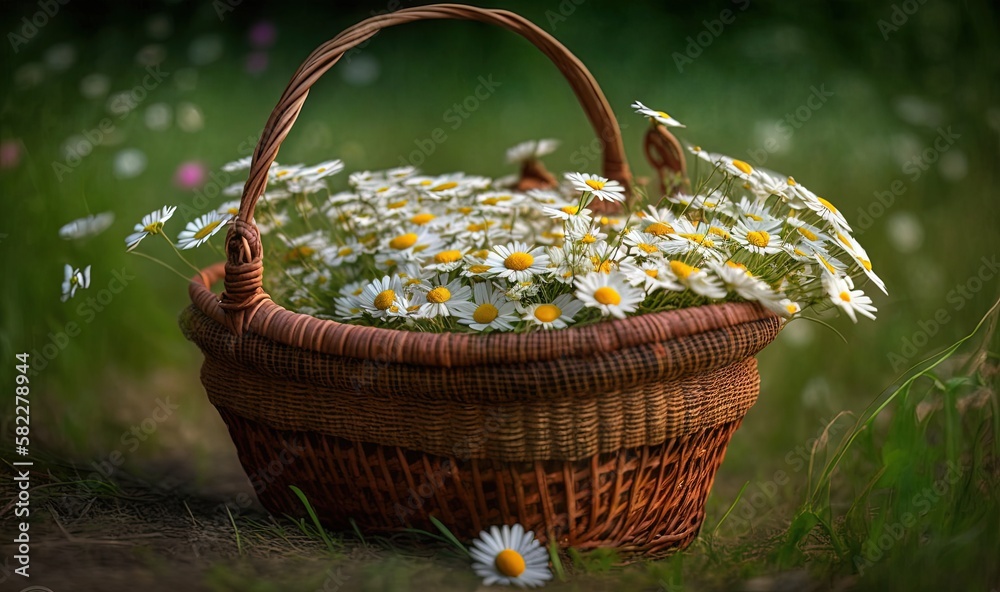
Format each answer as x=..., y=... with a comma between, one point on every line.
x=244, y=270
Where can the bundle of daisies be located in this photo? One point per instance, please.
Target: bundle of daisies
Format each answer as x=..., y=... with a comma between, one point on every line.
x=459, y=252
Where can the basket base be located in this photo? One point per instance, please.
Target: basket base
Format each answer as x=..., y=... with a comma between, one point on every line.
x=648, y=500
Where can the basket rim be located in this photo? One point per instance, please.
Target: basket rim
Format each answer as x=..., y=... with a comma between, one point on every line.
x=274, y=322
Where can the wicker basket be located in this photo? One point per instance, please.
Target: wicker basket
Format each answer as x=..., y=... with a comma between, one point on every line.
x=601, y=435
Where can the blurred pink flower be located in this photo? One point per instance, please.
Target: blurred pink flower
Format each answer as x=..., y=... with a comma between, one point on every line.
x=10, y=154
x=263, y=34
x=256, y=62
x=190, y=174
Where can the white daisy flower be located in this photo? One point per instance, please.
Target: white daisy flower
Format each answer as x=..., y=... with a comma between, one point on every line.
x=337, y=255
x=601, y=188
x=758, y=237
x=74, y=279
x=230, y=207
x=279, y=172
x=87, y=226
x=509, y=555
x=517, y=262
x=410, y=246
x=822, y=207
x=322, y=170
x=806, y=232
x=642, y=244
x=649, y=275
x=233, y=189
x=843, y=295
x=531, y=150
x=738, y=279
x=198, y=231
x=152, y=223
x=384, y=299
x=785, y=307
x=657, y=116
x=238, y=165
x=556, y=314
x=444, y=298
x=491, y=310
x=609, y=292
x=659, y=223
x=697, y=280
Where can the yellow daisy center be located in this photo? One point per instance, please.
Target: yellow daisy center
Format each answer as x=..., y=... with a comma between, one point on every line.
x=518, y=261
x=421, y=219
x=758, y=238
x=302, y=252
x=720, y=232
x=754, y=217
x=233, y=211
x=652, y=272
x=485, y=314
x=742, y=166
x=698, y=238
x=791, y=182
x=588, y=239
x=663, y=115
x=207, y=230
x=479, y=268
x=607, y=295
x=510, y=563
x=547, y=313
x=439, y=295
x=826, y=264
x=345, y=251
x=448, y=256
x=845, y=296
x=659, y=229
x=827, y=204
x=736, y=265
x=571, y=210
x=807, y=233
x=385, y=299
x=866, y=263
x=682, y=270
x=153, y=227
x=397, y=204
x=445, y=186
x=791, y=308
x=403, y=241
x=595, y=184
x=647, y=248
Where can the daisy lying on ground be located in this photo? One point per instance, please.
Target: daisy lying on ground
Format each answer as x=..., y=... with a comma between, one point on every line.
x=459, y=252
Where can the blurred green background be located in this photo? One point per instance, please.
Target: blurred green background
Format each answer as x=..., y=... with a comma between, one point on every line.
x=910, y=112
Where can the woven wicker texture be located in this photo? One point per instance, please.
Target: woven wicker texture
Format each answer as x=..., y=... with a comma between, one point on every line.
x=607, y=434
x=647, y=500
